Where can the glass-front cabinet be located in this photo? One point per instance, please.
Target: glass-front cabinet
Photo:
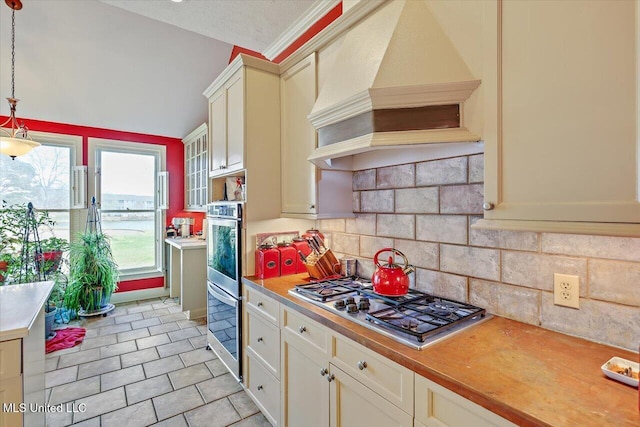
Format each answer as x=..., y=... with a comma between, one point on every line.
x=195, y=169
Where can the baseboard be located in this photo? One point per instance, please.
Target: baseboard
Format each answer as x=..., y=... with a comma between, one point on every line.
x=139, y=295
x=196, y=313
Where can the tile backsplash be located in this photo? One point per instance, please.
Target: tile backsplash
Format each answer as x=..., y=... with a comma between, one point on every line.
x=426, y=211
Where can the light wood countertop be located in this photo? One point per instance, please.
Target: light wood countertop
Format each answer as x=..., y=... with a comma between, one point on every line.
x=526, y=374
x=19, y=306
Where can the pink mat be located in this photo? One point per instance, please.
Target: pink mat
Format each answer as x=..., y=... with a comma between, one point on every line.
x=65, y=338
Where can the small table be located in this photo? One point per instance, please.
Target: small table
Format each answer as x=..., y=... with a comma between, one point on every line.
x=188, y=274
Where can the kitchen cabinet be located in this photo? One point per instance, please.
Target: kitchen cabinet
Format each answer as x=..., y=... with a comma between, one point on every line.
x=437, y=406
x=187, y=274
x=195, y=169
x=261, y=339
x=561, y=123
x=244, y=107
x=307, y=192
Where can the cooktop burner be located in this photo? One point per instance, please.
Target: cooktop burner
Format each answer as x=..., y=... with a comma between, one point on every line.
x=416, y=319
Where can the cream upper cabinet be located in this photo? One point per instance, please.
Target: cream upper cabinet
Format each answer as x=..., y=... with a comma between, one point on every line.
x=195, y=169
x=243, y=117
x=307, y=192
x=561, y=117
x=437, y=406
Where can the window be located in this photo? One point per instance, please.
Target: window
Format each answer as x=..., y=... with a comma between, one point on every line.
x=44, y=177
x=126, y=190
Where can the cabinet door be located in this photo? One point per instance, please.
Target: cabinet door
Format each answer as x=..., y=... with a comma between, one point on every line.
x=354, y=404
x=235, y=122
x=297, y=96
x=217, y=132
x=561, y=130
x=305, y=389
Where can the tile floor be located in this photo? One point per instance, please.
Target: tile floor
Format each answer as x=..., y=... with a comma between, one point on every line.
x=145, y=364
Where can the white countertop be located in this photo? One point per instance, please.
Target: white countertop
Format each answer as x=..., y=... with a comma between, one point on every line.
x=19, y=306
x=186, y=242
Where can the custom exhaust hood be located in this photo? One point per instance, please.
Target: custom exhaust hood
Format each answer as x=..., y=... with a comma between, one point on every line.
x=397, y=83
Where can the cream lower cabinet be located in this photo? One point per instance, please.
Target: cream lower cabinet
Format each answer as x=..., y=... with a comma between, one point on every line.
x=437, y=406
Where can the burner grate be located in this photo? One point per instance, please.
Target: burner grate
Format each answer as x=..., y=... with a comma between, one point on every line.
x=328, y=289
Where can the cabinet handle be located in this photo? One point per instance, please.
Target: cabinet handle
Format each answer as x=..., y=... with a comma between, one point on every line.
x=223, y=167
x=260, y=339
x=362, y=365
x=259, y=387
x=302, y=329
x=487, y=206
x=323, y=372
x=259, y=304
x=331, y=378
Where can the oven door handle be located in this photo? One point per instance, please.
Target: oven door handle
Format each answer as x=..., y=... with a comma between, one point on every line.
x=221, y=295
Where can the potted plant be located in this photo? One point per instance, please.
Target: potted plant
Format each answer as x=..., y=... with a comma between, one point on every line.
x=93, y=273
x=52, y=250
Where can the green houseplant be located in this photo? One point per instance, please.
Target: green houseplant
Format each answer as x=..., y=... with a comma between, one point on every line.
x=93, y=273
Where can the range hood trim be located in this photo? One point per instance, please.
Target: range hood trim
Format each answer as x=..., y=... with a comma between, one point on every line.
x=394, y=97
x=322, y=156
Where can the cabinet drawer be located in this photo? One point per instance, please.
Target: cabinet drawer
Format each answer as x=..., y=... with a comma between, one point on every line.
x=10, y=356
x=387, y=378
x=260, y=303
x=309, y=331
x=264, y=388
x=438, y=406
x=264, y=340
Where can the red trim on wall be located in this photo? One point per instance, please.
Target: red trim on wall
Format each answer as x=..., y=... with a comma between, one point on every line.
x=238, y=50
x=320, y=25
x=140, y=284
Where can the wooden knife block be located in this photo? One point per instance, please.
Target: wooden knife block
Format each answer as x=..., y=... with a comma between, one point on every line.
x=322, y=266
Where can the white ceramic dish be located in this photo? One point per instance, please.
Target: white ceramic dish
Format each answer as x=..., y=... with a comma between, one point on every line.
x=623, y=363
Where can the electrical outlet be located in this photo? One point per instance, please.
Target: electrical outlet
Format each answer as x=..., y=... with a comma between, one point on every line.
x=566, y=290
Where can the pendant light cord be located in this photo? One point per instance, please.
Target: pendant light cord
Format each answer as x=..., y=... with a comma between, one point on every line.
x=13, y=53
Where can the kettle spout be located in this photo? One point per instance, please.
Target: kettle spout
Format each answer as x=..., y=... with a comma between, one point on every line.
x=408, y=269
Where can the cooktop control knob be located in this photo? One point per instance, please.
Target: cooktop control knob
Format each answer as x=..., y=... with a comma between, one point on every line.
x=340, y=304
x=350, y=300
x=352, y=308
x=364, y=304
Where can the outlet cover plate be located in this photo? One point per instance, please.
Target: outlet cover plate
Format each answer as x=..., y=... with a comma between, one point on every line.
x=566, y=290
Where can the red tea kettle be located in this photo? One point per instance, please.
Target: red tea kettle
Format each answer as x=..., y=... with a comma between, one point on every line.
x=391, y=279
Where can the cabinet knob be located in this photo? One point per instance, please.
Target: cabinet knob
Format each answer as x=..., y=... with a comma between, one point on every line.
x=362, y=365
x=312, y=207
x=259, y=304
x=302, y=329
x=260, y=339
x=260, y=387
x=487, y=206
x=331, y=378
x=324, y=371
x=223, y=167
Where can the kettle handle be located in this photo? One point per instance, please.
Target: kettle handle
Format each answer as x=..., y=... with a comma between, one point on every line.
x=395, y=251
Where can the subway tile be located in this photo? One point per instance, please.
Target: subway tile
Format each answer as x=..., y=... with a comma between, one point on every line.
x=176, y=402
x=615, y=281
x=606, y=247
x=370, y=245
x=60, y=418
x=114, y=329
x=51, y=363
x=346, y=243
x=138, y=357
x=147, y=389
x=474, y=262
x=361, y=224
x=398, y=226
x=177, y=421
x=199, y=342
x=152, y=341
x=79, y=357
x=60, y=376
x=516, y=240
x=513, y=302
x=257, y=420
x=536, y=270
x=99, y=404
x=163, y=327
x=89, y=343
x=442, y=228
x=71, y=391
x=162, y=366
x=396, y=176
x=442, y=284
x=145, y=323
x=476, y=168
x=216, y=414
x=172, y=317
x=462, y=199
x=332, y=225
x=243, y=404
x=133, y=335
x=116, y=349
x=420, y=254
x=155, y=313
x=174, y=348
x=219, y=387
x=193, y=357
x=128, y=318
x=190, y=375
x=183, y=334
x=364, y=180
x=140, y=414
x=599, y=321
x=376, y=201
x=121, y=377
x=355, y=201
x=186, y=323
x=216, y=367
x=417, y=200
x=438, y=172
x=98, y=367
x=139, y=308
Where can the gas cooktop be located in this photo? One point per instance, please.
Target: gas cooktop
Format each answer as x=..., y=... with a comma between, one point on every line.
x=416, y=319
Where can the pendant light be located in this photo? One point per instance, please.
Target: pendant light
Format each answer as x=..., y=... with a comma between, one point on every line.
x=17, y=142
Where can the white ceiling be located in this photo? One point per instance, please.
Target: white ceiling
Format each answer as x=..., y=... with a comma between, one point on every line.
x=91, y=64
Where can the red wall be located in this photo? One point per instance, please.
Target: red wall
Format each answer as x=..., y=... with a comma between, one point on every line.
x=175, y=166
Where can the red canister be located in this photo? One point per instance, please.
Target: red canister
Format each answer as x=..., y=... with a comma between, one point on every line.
x=267, y=261
x=288, y=257
x=301, y=245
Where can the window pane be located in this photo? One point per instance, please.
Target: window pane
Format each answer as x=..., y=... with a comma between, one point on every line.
x=127, y=180
x=132, y=238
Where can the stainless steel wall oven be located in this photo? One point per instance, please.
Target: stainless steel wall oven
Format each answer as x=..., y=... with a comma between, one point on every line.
x=224, y=296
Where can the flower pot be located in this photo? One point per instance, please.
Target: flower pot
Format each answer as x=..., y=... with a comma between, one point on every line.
x=4, y=265
x=49, y=318
x=50, y=261
x=99, y=299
